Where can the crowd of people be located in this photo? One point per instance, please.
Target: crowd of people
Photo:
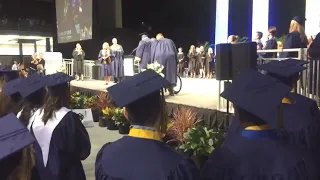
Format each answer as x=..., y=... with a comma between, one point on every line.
x=267, y=139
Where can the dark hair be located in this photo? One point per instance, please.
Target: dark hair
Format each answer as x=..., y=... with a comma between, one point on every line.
x=33, y=101
x=272, y=30
x=10, y=104
x=260, y=34
x=57, y=97
x=148, y=110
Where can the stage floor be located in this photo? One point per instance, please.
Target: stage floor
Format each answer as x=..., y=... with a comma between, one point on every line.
x=201, y=93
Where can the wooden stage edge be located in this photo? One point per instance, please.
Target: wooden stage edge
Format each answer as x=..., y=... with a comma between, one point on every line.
x=200, y=95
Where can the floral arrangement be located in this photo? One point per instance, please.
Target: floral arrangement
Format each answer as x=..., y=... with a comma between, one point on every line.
x=201, y=141
x=156, y=67
x=78, y=101
x=62, y=69
x=103, y=101
x=183, y=119
x=118, y=117
x=107, y=112
x=91, y=103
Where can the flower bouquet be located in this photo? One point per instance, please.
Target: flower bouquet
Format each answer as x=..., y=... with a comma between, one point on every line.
x=92, y=103
x=121, y=121
x=156, y=67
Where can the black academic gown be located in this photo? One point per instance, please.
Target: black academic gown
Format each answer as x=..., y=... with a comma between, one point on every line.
x=132, y=158
x=258, y=155
x=292, y=40
x=118, y=66
x=144, y=52
x=165, y=52
x=59, y=157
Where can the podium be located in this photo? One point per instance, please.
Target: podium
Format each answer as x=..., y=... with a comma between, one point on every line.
x=96, y=72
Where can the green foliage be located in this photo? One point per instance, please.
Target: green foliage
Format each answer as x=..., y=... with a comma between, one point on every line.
x=78, y=101
x=281, y=38
x=119, y=118
x=201, y=141
x=91, y=102
x=206, y=46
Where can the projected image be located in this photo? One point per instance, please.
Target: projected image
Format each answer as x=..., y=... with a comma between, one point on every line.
x=74, y=20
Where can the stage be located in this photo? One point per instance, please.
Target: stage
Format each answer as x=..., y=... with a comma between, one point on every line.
x=202, y=95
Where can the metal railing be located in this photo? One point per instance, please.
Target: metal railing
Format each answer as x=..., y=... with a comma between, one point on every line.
x=87, y=67
x=308, y=85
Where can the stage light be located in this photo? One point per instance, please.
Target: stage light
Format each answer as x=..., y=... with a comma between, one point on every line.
x=260, y=18
x=222, y=21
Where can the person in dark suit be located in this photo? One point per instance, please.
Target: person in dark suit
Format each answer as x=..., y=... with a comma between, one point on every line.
x=271, y=42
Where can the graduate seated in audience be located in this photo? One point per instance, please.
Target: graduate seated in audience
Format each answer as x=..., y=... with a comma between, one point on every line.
x=16, y=161
x=142, y=155
x=257, y=152
x=32, y=90
x=11, y=100
x=63, y=139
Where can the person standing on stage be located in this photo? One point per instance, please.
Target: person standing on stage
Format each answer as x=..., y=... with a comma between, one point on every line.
x=118, y=69
x=192, y=55
x=201, y=62
x=180, y=61
x=143, y=52
x=209, y=63
x=105, y=59
x=78, y=56
x=165, y=53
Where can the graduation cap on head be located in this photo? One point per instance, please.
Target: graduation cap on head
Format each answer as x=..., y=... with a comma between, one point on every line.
x=31, y=84
x=57, y=78
x=299, y=19
x=285, y=69
x=9, y=75
x=136, y=87
x=257, y=94
x=13, y=136
x=10, y=87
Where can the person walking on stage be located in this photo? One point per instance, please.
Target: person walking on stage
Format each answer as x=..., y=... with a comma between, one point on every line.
x=118, y=69
x=105, y=59
x=143, y=52
x=164, y=51
x=78, y=56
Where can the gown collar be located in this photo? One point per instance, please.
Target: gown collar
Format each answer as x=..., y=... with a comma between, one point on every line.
x=144, y=132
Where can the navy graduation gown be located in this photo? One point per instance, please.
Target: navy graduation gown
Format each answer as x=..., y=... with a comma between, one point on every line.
x=59, y=156
x=271, y=44
x=118, y=66
x=144, y=53
x=314, y=53
x=258, y=156
x=165, y=52
x=106, y=69
x=292, y=40
x=132, y=158
x=234, y=130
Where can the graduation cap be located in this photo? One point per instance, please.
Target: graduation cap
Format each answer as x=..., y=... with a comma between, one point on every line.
x=285, y=69
x=13, y=136
x=9, y=74
x=136, y=87
x=31, y=84
x=257, y=94
x=10, y=87
x=57, y=78
x=299, y=19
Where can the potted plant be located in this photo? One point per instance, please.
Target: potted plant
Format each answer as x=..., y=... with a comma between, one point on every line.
x=183, y=119
x=106, y=119
x=121, y=121
x=201, y=142
x=78, y=107
x=92, y=103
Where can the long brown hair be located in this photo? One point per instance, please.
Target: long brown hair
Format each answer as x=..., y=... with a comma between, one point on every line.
x=57, y=97
x=295, y=26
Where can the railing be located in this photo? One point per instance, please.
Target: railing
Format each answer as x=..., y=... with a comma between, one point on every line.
x=87, y=67
x=308, y=85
